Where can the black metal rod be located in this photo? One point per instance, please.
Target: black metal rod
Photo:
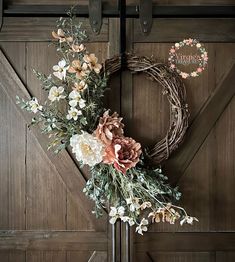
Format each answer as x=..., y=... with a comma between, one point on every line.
x=131, y=11
x=122, y=8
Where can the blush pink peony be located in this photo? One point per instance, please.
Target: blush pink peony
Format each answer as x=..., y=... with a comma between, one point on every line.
x=123, y=153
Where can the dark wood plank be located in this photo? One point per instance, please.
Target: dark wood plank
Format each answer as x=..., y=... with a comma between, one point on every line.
x=203, y=124
x=185, y=242
x=180, y=2
x=98, y=256
x=46, y=256
x=72, y=256
x=67, y=169
x=45, y=193
x=53, y=240
x=39, y=29
x=175, y=256
x=12, y=256
x=15, y=53
x=173, y=30
x=12, y=155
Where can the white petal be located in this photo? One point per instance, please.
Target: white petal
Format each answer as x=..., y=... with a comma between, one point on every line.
x=62, y=63
x=73, y=103
x=113, y=211
x=125, y=219
x=121, y=211
x=58, y=74
x=113, y=220
x=82, y=103
x=56, y=68
x=60, y=89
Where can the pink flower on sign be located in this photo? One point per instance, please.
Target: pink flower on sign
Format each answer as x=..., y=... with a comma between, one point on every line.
x=189, y=41
x=172, y=50
x=172, y=66
x=199, y=70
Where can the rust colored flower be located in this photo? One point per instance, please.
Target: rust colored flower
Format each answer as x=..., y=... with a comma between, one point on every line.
x=123, y=153
x=109, y=127
x=81, y=70
x=92, y=62
x=60, y=35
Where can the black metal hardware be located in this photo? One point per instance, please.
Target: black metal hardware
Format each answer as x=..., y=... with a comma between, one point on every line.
x=95, y=15
x=1, y=13
x=131, y=11
x=146, y=15
x=122, y=30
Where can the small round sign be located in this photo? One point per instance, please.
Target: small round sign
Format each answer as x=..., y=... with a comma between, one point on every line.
x=188, y=52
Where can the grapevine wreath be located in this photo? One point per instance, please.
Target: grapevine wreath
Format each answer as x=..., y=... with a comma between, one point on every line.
x=73, y=115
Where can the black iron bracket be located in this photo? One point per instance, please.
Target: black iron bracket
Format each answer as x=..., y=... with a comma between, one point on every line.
x=167, y=11
x=1, y=14
x=95, y=15
x=146, y=15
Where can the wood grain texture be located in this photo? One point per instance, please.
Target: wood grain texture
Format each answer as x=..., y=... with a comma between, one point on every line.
x=204, y=122
x=175, y=257
x=63, y=162
x=53, y=240
x=174, y=30
x=45, y=193
x=39, y=29
x=12, y=155
x=12, y=256
x=99, y=256
x=48, y=256
x=57, y=2
x=74, y=256
x=185, y=242
x=185, y=2
x=16, y=54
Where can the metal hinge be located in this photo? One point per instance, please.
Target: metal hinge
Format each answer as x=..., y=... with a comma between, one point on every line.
x=146, y=15
x=95, y=15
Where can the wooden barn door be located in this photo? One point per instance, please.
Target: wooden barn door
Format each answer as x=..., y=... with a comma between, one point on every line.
x=44, y=215
x=203, y=166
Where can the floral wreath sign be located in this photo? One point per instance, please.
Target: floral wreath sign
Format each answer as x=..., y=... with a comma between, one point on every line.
x=73, y=115
x=188, y=52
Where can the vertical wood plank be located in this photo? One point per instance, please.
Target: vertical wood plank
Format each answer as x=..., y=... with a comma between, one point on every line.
x=46, y=256
x=12, y=151
x=46, y=195
x=15, y=53
x=83, y=256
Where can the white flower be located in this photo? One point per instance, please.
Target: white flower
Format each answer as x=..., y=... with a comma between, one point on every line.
x=134, y=203
x=34, y=105
x=87, y=148
x=60, y=69
x=56, y=93
x=142, y=226
x=198, y=45
x=188, y=220
x=177, y=45
x=73, y=113
x=116, y=213
x=194, y=74
x=130, y=220
x=76, y=99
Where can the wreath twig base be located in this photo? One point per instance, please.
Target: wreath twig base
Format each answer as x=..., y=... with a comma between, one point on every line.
x=172, y=87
